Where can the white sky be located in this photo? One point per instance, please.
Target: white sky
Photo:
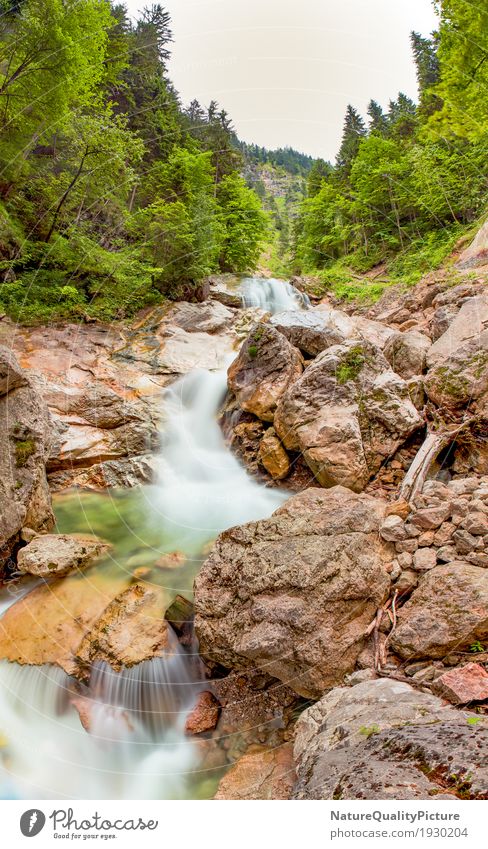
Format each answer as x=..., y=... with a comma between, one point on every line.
x=285, y=70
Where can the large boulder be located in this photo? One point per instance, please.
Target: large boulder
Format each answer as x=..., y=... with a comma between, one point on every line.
x=448, y=610
x=315, y=330
x=443, y=760
x=462, y=376
x=477, y=252
x=53, y=555
x=345, y=718
x=312, y=331
x=466, y=327
x=347, y=413
x=24, y=443
x=406, y=353
x=209, y=317
x=266, y=366
x=295, y=594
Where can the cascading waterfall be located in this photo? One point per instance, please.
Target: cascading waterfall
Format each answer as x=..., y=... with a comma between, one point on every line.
x=136, y=746
x=272, y=295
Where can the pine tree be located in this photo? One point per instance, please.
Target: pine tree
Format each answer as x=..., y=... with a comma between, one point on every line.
x=427, y=65
x=402, y=116
x=319, y=172
x=354, y=131
x=378, y=122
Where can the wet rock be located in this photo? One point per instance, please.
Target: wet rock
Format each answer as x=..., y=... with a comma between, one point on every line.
x=295, y=594
x=180, y=615
x=463, y=684
x=262, y=774
x=267, y=364
x=48, y=624
x=406, y=353
x=53, y=555
x=346, y=414
x=204, y=716
x=448, y=610
x=130, y=630
x=273, y=456
x=225, y=288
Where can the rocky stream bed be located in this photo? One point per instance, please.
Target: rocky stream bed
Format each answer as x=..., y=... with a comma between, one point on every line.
x=244, y=549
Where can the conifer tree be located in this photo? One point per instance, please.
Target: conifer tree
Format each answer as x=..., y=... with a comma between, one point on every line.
x=354, y=130
x=378, y=122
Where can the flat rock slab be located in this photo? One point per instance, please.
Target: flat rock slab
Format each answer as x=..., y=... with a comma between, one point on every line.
x=48, y=624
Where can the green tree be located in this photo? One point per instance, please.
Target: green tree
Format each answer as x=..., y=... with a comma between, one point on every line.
x=51, y=59
x=463, y=59
x=354, y=130
x=319, y=172
x=378, y=122
x=245, y=224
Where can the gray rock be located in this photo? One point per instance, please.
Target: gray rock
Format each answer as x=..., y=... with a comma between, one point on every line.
x=266, y=366
x=406, y=353
x=295, y=594
x=312, y=331
x=332, y=735
x=53, y=555
x=346, y=414
x=448, y=610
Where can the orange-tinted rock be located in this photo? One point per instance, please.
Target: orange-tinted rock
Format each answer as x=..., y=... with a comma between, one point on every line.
x=263, y=774
x=205, y=714
x=131, y=629
x=463, y=684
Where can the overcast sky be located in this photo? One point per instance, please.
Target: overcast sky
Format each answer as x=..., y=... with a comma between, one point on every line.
x=285, y=71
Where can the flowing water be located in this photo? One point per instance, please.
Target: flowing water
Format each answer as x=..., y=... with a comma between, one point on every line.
x=136, y=746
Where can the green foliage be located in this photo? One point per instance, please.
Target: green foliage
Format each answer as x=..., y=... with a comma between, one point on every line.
x=369, y=730
x=477, y=647
x=24, y=449
x=245, y=224
x=405, y=190
x=351, y=366
x=463, y=60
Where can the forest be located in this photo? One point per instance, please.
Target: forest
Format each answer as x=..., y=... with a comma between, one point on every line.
x=410, y=179
x=114, y=195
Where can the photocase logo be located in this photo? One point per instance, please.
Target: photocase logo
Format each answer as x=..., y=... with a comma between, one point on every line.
x=32, y=822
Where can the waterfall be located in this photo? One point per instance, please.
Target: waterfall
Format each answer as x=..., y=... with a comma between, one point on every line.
x=272, y=295
x=136, y=746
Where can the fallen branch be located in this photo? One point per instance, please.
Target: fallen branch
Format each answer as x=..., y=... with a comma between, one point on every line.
x=430, y=449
